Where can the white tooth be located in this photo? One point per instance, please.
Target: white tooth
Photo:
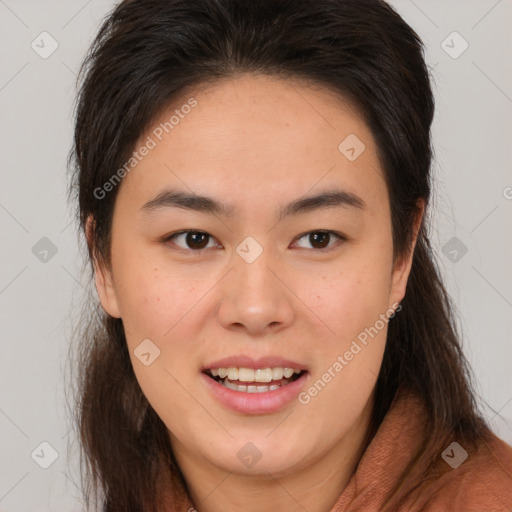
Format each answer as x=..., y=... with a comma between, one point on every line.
x=277, y=373
x=232, y=373
x=246, y=375
x=249, y=389
x=233, y=386
x=297, y=371
x=223, y=372
x=229, y=385
x=288, y=372
x=263, y=375
x=214, y=372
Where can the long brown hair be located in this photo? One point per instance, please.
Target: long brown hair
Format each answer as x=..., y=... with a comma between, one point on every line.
x=148, y=52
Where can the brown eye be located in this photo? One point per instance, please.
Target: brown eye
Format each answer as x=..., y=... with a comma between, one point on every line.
x=319, y=239
x=194, y=240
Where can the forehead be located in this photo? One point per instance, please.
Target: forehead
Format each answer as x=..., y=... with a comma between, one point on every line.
x=256, y=136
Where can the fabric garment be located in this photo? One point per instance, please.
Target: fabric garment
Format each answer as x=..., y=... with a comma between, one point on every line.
x=481, y=483
x=461, y=479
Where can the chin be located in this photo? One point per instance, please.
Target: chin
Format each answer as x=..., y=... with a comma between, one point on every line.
x=260, y=456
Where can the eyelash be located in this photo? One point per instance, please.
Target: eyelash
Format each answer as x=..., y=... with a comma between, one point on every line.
x=170, y=237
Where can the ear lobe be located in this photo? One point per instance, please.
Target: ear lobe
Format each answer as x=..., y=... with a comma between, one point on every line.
x=102, y=276
x=402, y=270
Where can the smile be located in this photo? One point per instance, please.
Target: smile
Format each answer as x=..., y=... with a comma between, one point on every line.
x=254, y=380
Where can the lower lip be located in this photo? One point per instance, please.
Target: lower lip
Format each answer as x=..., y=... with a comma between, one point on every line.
x=256, y=403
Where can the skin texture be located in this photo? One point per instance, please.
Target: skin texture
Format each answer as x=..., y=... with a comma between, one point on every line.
x=255, y=143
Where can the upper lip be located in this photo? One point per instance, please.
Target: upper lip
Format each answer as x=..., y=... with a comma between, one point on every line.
x=249, y=362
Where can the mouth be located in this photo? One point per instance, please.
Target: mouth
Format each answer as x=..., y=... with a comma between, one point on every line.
x=249, y=380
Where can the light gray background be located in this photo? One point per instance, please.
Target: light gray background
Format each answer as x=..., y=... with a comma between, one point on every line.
x=472, y=137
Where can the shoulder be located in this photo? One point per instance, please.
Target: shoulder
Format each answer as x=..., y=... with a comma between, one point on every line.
x=476, y=480
x=407, y=468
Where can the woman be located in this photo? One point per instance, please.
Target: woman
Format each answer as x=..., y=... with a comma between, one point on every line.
x=253, y=180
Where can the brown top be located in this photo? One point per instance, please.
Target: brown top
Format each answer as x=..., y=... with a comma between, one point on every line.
x=460, y=480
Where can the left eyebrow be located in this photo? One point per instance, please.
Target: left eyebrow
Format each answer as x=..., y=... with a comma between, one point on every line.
x=336, y=198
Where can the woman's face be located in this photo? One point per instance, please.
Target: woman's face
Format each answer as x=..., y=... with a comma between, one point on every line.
x=288, y=265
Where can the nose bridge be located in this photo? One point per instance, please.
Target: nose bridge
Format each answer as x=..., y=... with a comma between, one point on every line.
x=252, y=258
x=251, y=272
x=253, y=296
x=254, y=274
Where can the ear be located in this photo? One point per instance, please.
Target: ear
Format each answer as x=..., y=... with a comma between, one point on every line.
x=102, y=275
x=402, y=268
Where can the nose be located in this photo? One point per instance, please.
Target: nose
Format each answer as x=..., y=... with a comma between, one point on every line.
x=254, y=299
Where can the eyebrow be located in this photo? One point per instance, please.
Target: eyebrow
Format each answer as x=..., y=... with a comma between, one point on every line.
x=336, y=198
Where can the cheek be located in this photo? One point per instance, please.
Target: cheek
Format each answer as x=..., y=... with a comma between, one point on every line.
x=351, y=305
x=350, y=297
x=157, y=306
x=152, y=301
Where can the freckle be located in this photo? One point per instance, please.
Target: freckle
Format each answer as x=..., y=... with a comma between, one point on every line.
x=158, y=299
